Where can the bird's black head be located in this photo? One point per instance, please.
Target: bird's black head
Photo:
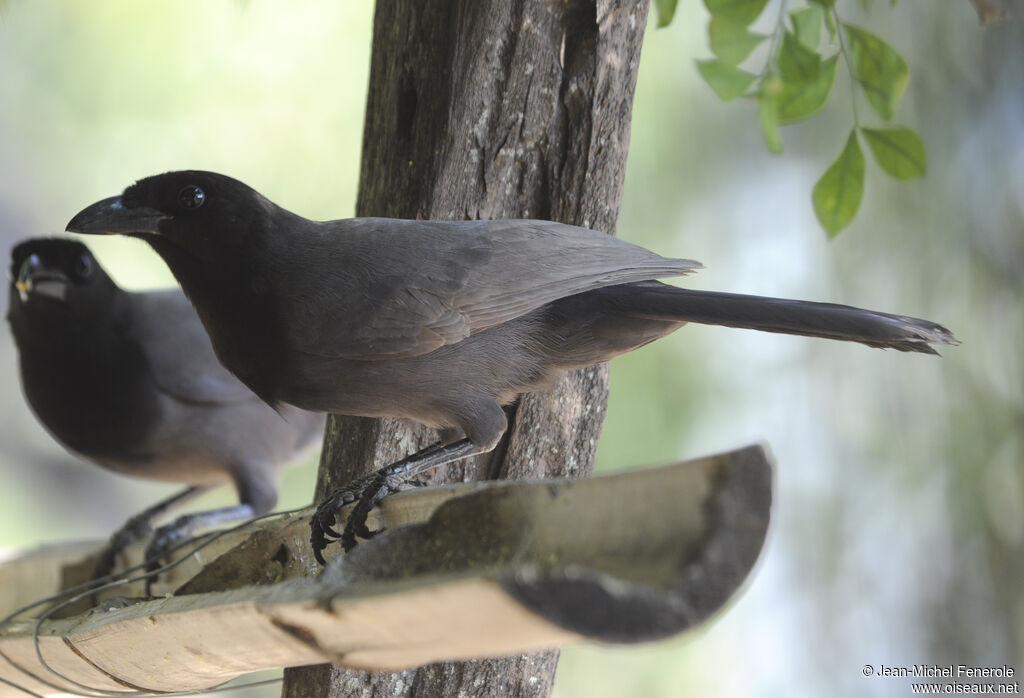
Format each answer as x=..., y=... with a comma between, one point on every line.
x=58, y=281
x=199, y=214
x=220, y=238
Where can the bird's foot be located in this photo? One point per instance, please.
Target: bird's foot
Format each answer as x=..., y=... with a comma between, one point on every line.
x=165, y=538
x=367, y=491
x=136, y=528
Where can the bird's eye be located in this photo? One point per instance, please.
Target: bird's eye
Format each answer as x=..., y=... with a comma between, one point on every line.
x=83, y=267
x=191, y=197
x=29, y=266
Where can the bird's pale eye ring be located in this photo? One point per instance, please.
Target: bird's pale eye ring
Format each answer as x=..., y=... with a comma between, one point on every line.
x=191, y=197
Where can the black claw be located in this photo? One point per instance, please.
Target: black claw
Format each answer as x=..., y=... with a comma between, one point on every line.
x=356, y=523
x=135, y=529
x=104, y=563
x=152, y=564
x=348, y=541
x=153, y=555
x=164, y=540
x=318, y=543
x=373, y=492
x=322, y=531
x=367, y=491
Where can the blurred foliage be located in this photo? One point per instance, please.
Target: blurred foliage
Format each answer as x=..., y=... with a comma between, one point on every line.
x=794, y=83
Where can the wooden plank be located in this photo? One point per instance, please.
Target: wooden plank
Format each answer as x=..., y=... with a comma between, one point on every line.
x=480, y=570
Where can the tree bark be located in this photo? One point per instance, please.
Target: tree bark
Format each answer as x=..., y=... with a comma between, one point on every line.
x=490, y=109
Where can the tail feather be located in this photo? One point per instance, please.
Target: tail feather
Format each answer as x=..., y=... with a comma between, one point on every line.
x=827, y=320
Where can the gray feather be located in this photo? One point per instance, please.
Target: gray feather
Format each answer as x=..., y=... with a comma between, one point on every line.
x=165, y=326
x=422, y=284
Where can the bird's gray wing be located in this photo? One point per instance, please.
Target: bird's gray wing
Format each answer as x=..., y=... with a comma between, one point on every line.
x=410, y=287
x=178, y=350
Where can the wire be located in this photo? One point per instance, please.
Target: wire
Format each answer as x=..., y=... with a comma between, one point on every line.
x=21, y=688
x=76, y=593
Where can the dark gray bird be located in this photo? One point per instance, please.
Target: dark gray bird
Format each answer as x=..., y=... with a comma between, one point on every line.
x=130, y=382
x=439, y=322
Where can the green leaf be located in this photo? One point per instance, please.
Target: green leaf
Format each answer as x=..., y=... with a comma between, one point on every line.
x=865, y=6
x=899, y=151
x=730, y=41
x=800, y=100
x=825, y=3
x=838, y=193
x=769, y=115
x=807, y=25
x=736, y=11
x=807, y=80
x=797, y=63
x=666, y=11
x=879, y=69
x=728, y=81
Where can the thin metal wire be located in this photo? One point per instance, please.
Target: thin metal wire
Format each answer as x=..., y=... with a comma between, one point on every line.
x=87, y=588
x=21, y=688
x=117, y=579
x=151, y=574
x=228, y=687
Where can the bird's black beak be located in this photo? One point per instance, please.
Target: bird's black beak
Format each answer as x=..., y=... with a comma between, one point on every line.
x=34, y=278
x=111, y=216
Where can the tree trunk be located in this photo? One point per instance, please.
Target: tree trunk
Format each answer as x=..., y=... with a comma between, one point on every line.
x=490, y=109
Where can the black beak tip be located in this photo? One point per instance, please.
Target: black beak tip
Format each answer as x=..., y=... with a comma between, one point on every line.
x=110, y=216
x=95, y=219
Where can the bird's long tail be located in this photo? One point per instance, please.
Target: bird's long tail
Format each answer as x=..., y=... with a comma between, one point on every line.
x=806, y=318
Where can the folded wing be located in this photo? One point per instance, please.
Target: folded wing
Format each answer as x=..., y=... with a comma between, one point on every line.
x=409, y=287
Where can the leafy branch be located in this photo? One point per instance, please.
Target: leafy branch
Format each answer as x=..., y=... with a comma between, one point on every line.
x=795, y=83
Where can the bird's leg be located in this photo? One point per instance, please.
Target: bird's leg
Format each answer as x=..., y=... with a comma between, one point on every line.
x=138, y=527
x=166, y=537
x=372, y=488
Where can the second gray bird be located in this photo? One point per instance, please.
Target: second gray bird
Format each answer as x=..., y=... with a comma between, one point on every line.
x=130, y=382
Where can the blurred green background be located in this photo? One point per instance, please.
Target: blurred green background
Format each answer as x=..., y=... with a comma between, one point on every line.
x=899, y=520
